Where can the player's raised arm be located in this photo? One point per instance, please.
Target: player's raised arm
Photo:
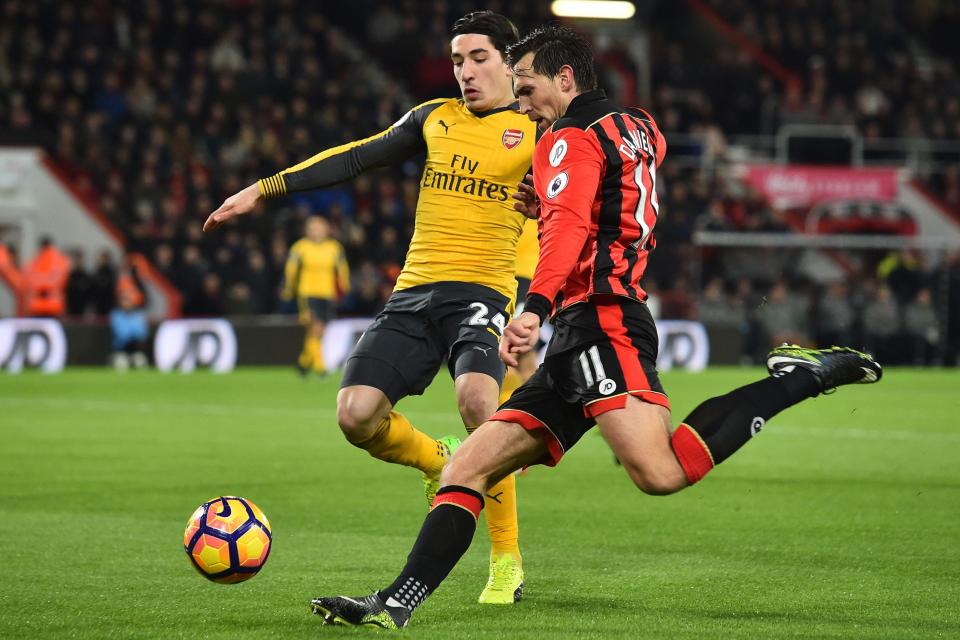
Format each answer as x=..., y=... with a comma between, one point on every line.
x=334, y=165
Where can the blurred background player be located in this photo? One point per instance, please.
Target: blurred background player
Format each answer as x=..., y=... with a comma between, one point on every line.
x=316, y=275
x=457, y=287
x=528, y=251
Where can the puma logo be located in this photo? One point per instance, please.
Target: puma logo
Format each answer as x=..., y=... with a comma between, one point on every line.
x=484, y=350
x=446, y=127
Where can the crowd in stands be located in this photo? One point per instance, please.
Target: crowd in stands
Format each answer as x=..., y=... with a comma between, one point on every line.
x=843, y=62
x=889, y=307
x=158, y=110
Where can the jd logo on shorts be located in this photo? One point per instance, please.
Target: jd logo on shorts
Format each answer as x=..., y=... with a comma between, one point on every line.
x=756, y=426
x=607, y=386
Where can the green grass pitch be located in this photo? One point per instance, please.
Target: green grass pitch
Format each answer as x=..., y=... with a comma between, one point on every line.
x=842, y=518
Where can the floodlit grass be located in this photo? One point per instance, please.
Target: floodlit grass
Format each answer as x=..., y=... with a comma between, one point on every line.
x=842, y=519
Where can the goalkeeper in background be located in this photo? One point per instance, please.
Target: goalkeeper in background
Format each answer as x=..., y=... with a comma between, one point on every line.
x=316, y=275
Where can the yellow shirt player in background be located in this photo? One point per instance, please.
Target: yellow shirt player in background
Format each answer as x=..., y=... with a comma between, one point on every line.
x=528, y=252
x=457, y=287
x=316, y=275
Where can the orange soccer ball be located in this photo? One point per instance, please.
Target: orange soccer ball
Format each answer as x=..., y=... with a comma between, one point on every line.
x=228, y=539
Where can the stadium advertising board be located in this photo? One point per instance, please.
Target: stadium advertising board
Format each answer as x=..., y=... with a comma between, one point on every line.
x=683, y=345
x=32, y=342
x=797, y=186
x=184, y=345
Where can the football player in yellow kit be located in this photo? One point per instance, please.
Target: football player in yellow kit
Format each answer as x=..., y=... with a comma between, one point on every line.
x=316, y=274
x=457, y=288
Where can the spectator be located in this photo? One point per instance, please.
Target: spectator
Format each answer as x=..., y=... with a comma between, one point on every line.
x=262, y=289
x=103, y=290
x=79, y=286
x=784, y=316
x=922, y=328
x=239, y=300
x=208, y=301
x=835, y=316
x=676, y=301
x=881, y=325
x=365, y=297
x=717, y=308
x=45, y=281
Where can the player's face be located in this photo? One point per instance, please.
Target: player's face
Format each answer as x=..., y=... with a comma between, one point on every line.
x=539, y=95
x=317, y=229
x=483, y=76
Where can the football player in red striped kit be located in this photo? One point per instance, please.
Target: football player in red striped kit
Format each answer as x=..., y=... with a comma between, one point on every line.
x=595, y=187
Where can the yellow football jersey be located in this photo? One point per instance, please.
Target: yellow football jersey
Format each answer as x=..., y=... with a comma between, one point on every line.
x=316, y=270
x=466, y=228
x=528, y=250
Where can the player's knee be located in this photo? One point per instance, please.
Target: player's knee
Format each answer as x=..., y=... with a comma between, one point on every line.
x=357, y=419
x=655, y=482
x=475, y=408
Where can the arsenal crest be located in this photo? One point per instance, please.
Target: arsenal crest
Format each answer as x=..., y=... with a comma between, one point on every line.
x=511, y=138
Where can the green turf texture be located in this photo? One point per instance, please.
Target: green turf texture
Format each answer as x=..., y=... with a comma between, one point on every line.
x=841, y=519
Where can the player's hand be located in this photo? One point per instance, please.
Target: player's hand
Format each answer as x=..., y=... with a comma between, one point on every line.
x=236, y=205
x=520, y=336
x=526, y=197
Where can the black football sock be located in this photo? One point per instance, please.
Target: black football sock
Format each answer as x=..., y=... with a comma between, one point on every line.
x=720, y=426
x=445, y=536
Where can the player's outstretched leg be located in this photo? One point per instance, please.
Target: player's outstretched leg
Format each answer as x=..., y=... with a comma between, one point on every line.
x=832, y=367
x=494, y=451
x=720, y=426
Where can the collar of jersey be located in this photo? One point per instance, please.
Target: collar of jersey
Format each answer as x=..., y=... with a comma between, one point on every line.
x=584, y=99
x=483, y=114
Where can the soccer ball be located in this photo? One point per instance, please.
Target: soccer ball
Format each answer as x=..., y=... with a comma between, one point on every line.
x=228, y=539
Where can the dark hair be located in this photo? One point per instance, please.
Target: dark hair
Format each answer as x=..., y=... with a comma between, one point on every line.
x=553, y=47
x=498, y=28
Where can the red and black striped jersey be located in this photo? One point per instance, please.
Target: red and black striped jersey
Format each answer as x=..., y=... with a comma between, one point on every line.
x=595, y=175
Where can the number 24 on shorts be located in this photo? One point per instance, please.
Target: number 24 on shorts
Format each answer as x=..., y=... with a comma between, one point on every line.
x=479, y=318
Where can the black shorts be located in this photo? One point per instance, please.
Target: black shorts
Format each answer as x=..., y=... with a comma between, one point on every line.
x=419, y=328
x=312, y=309
x=601, y=352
